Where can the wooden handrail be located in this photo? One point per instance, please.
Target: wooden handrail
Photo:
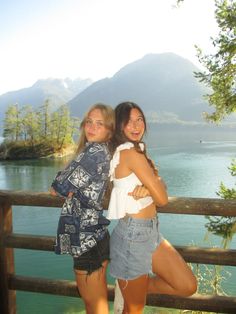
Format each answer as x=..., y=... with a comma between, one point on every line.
x=192, y=254
x=219, y=304
x=177, y=205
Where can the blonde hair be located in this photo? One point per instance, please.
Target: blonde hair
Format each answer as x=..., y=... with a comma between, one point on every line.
x=109, y=121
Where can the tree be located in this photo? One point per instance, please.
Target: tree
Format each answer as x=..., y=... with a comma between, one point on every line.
x=63, y=126
x=220, y=76
x=27, y=129
x=12, y=123
x=220, y=73
x=31, y=125
x=225, y=192
x=224, y=226
x=44, y=115
x=220, y=67
x=74, y=126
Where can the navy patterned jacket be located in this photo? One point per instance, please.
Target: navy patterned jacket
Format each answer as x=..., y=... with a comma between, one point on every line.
x=81, y=223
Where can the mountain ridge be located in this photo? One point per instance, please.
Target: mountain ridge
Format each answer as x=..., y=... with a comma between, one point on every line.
x=57, y=91
x=162, y=84
x=157, y=82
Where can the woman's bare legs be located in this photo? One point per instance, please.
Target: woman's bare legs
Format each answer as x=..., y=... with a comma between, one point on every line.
x=93, y=290
x=134, y=293
x=174, y=276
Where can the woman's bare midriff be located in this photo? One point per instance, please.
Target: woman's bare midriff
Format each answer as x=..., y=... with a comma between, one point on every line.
x=145, y=213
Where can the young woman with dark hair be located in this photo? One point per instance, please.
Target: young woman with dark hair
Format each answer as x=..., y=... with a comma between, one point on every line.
x=141, y=259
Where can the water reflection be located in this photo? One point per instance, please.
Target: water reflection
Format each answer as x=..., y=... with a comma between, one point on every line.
x=34, y=175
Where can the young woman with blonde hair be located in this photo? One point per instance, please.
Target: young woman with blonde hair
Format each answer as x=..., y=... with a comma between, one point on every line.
x=82, y=228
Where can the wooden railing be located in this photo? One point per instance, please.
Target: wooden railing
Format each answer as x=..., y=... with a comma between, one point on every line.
x=10, y=282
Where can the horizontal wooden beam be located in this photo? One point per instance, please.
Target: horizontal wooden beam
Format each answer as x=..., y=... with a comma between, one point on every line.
x=176, y=205
x=219, y=304
x=50, y=286
x=193, y=254
x=30, y=242
x=197, y=302
x=214, y=256
x=29, y=198
x=200, y=206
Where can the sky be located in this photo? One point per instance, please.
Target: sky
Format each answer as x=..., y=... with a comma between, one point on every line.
x=95, y=38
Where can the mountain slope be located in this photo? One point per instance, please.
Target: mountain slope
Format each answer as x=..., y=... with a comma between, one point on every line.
x=162, y=84
x=58, y=91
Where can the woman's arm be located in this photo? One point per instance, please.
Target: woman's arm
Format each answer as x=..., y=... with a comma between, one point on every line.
x=137, y=163
x=86, y=177
x=141, y=191
x=90, y=178
x=61, y=185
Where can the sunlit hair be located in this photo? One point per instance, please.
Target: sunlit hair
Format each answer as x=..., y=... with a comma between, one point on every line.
x=109, y=122
x=122, y=115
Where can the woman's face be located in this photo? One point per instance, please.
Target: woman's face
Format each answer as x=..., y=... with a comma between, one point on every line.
x=135, y=127
x=94, y=127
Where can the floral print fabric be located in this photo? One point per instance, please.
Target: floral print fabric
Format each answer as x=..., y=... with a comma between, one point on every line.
x=81, y=223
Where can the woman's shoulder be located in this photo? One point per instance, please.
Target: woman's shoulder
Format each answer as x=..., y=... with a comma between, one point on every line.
x=128, y=148
x=95, y=146
x=127, y=151
x=123, y=150
x=124, y=146
x=97, y=149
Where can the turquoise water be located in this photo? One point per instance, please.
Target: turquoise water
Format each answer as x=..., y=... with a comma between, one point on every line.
x=190, y=169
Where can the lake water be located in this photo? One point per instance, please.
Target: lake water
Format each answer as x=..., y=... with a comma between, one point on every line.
x=189, y=169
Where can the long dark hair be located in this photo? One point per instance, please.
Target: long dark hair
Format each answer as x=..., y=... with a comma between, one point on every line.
x=122, y=116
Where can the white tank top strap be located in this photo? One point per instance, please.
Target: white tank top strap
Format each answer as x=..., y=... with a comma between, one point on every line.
x=116, y=157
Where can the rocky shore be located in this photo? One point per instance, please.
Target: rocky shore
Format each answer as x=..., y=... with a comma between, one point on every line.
x=21, y=152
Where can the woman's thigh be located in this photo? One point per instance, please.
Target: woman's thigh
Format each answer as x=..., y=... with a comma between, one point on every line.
x=168, y=264
x=93, y=290
x=94, y=285
x=90, y=271
x=134, y=293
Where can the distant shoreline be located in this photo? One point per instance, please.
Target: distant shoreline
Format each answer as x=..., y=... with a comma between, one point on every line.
x=25, y=152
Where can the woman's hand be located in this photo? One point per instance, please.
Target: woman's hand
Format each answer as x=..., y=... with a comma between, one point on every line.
x=53, y=192
x=139, y=192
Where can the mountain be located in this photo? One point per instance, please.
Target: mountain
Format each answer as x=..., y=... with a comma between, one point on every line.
x=58, y=91
x=162, y=84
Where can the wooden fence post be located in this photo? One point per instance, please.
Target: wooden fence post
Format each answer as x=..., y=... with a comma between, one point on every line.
x=7, y=297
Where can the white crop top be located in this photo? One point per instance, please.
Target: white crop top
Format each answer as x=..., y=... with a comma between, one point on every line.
x=120, y=202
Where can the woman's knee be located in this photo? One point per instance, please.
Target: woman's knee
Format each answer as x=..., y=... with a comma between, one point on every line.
x=188, y=287
x=134, y=309
x=192, y=287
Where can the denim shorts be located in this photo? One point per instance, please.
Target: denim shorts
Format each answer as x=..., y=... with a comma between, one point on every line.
x=131, y=246
x=93, y=259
